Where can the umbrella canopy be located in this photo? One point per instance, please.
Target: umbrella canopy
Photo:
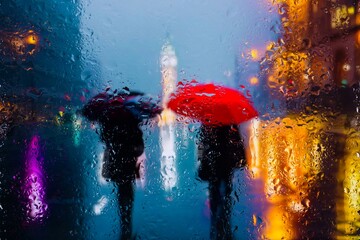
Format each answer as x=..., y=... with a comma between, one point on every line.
x=121, y=105
x=143, y=107
x=212, y=104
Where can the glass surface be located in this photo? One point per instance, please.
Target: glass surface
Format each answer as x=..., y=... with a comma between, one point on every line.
x=297, y=62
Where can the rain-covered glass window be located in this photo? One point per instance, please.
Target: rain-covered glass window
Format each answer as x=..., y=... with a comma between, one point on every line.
x=205, y=119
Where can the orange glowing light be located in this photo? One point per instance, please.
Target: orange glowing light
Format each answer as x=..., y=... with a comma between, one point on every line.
x=167, y=117
x=279, y=225
x=286, y=153
x=23, y=43
x=254, y=53
x=357, y=37
x=32, y=39
x=254, y=80
x=282, y=153
x=254, y=220
x=289, y=65
x=270, y=46
x=357, y=19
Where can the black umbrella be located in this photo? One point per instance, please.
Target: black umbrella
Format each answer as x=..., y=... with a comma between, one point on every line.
x=121, y=105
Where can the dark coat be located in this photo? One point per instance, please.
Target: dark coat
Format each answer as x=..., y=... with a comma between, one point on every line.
x=124, y=143
x=122, y=136
x=220, y=151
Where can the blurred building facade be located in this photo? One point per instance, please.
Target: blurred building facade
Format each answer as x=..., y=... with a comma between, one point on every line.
x=306, y=154
x=41, y=87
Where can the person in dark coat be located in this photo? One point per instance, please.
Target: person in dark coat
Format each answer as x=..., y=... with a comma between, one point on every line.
x=220, y=152
x=124, y=143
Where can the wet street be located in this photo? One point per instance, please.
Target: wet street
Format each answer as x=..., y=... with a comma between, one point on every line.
x=84, y=206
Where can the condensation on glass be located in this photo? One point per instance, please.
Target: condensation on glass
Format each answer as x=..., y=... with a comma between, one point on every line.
x=297, y=61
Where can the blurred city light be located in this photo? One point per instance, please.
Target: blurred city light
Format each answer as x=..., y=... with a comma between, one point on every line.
x=35, y=182
x=168, y=168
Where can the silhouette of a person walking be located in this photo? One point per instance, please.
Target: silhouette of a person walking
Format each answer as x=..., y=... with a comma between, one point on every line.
x=220, y=152
x=123, y=139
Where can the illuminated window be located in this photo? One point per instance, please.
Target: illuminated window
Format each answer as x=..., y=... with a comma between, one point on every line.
x=351, y=10
x=340, y=16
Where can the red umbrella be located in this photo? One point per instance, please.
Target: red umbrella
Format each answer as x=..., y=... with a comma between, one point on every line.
x=212, y=104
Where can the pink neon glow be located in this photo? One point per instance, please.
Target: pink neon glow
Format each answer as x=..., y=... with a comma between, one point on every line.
x=206, y=210
x=34, y=182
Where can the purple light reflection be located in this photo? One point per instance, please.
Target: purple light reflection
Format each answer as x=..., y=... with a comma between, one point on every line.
x=34, y=188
